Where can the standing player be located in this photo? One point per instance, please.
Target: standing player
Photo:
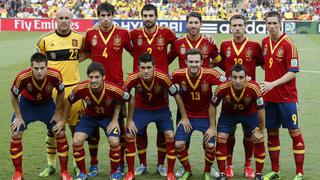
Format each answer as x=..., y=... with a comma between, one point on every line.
x=151, y=105
x=34, y=86
x=242, y=103
x=106, y=44
x=196, y=85
x=155, y=40
x=104, y=101
x=240, y=50
x=280, y=94
x=194, y=40
x=62, y=47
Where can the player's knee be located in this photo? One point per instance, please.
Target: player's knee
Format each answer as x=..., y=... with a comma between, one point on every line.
x=273, y=131
x=60, y=134
x=78, y=139
x=16, y=135
x=169, y=134
x=114, y=141
x=129, y=136
x=222, y=138
x=179, y=144
x=209, y=145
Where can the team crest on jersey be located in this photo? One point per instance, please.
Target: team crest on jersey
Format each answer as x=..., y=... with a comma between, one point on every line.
x=139, y=88
x=87, y=100
x=249, y=53
x=39, y=96
x=94, y=40
x=157, y=88
x=228, y=52
x=265, y=49
x=160, y=41
x=280, y=52
x=204, y=49
x=29, y=87
x=204, y=86
x=117, y=40
x=74, y=42
x=182, y=49
x=183, y=86
x=53, y=55
x=139, y=41
x=247, y=100
x=49, y=88
x=228, y=99
x=108, y=101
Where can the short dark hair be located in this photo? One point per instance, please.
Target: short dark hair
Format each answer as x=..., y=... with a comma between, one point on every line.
x=238, y=16
x=237, y=68
x=194, y=14
x=106, y=7
x=194, y=51
x=38, y=57
x=273, y=14
x=145, y=58
x=95, y=66
x=149, y=7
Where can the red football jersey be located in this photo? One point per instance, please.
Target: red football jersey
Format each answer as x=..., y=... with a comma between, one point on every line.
x=196, y=92
x=37, y=91
x=107, y=48
x=280, y=57
x=181, y=46
x=156, y=44
x=99, y=104
x=151, y=95
x=244, y=103
x=248, y=53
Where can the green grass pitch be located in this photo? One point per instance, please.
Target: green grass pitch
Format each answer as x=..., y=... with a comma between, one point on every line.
x=17, y=47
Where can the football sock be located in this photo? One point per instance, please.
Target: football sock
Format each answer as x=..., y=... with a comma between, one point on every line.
x=62, y=150
x=221, y=153
x=114, y=156
x=171, y=156
x=230, y=146
x=298, y=150
x=161, y=145
x=142, y=144
x=93, y=147
x=16, y=153
x=182, y=155
x=79, y=156
x=209, y=158
x=122, y=143
x=51, y=150
x=260, y=155
x=274, y=149
x=130, y=153
x=248, y=148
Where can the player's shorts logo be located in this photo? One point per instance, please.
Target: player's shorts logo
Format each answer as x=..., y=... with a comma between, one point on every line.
x=94, y=40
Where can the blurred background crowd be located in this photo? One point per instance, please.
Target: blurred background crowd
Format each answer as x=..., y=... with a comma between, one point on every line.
x=168, y=9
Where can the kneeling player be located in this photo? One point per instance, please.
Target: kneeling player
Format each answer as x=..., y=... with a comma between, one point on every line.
x=34, y=86
x=104, y=101
x=151, y=105
x=242, y=103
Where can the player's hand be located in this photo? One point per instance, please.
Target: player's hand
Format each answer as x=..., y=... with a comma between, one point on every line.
x=57, y=128
x=186, y=125
x=257, y=135
x=131, y=127
x=248, y=78
x=210, y=133
x=17, y=123
x=112, y=125
x=55, y=118
x=266, y=86
x=210, y=39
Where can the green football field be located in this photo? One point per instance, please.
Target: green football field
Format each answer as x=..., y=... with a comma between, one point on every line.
x=17, y=47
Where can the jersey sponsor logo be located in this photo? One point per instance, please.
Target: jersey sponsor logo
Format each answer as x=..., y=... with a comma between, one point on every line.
x=53, y=55
x=29, y=87
x=126, y=96
x=249, y=53
x=139, y=40
x=260, y=101
x=280, y=52
x=182, y=49
x=228, y=52
x=94, y=40
x=15, y=90
x=183, y=86
x=204, y=87
x=61, y=86
x=87, y=100
x=117, y=40
x=173, y=89
x=294, y=62
x=74, y=42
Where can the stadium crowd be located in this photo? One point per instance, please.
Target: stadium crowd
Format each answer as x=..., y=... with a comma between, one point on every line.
x=168, y=9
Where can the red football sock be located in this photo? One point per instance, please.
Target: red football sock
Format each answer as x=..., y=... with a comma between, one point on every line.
x=16, y=151
x=274, y=150
x=114, y=156
x=161, y=145
x=230, y=146
x=122, y=143
x=298, y=150
x=209, y=158
x=93, y=147
x=142, y=144
x=182, y=155
x=221, y=153
x=79, y=156
x=260, y=155
x=248, y=149
x=171, y=155
x=63, y=150
x=130, y=153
